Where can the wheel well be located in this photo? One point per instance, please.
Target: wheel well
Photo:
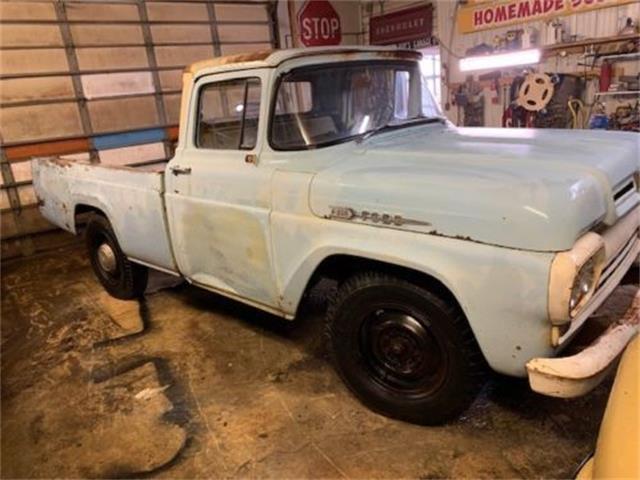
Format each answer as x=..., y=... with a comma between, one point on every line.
x=82, y=212
x=341, y=267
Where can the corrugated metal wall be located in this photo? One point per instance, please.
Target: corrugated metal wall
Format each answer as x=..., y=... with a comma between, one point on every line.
x=100, y=79
x=605, y=22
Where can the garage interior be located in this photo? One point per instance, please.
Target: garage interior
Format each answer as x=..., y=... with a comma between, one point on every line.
x=185, y=383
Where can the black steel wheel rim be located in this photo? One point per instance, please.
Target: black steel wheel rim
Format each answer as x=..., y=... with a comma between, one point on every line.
x=401, y=351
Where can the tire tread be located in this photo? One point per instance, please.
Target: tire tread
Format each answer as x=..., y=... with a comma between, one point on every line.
x=474, y=359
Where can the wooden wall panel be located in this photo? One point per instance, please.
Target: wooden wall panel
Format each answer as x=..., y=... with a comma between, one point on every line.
x=106, y=34
x=181, y=34
x=240, y=13
x=107, y=115
x=172, y=106
x=38, y=122
x=27, y=195
x=21, y=171
x=182, y=55
x=23, y=89
x=243, y=33
x=176, y=11
x=102, y=11
x=115, y=84
x=4, y=200
x=27, y=11
x=111, y=58
x=133, y=154
x=244, y=48
x=31, y=35
x=20, y=62
x=171, y=79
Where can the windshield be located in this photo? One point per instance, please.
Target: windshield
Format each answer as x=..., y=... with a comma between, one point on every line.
x=324, y=105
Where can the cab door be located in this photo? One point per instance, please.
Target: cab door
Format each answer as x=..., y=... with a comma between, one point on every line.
x=218, y=194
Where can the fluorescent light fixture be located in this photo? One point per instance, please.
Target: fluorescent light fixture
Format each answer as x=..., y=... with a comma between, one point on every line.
x=511, y=59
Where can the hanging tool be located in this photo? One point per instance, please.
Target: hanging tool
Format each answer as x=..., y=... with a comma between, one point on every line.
x=578, y=113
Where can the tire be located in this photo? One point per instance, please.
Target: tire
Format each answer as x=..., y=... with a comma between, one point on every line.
x=119, y=276
x=402, y=350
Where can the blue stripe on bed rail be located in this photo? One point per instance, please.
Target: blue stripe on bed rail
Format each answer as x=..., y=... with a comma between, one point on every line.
x=117, y=140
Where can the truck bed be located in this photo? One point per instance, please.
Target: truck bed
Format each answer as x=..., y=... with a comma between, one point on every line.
x=131, y=199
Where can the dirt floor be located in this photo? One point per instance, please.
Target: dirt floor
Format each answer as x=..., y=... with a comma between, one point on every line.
x=188, y=384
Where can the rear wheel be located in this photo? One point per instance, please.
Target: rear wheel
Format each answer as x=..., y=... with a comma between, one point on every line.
x=119, y=276
x=402, y=350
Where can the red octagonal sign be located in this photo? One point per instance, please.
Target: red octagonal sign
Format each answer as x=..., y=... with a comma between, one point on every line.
x=319, y=24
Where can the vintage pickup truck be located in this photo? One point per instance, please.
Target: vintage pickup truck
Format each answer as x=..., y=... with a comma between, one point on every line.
x=452, y=248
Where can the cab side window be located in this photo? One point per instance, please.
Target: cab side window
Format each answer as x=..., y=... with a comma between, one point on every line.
x=228, y=114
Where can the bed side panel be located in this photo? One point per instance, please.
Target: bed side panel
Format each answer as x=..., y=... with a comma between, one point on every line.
x=51, y=185
x=131, y=199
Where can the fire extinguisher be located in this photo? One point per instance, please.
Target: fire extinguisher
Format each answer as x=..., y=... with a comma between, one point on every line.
x=605, y=76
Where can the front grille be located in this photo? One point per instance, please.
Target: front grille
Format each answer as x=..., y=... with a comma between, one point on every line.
x=621, y=193
x=615, y=260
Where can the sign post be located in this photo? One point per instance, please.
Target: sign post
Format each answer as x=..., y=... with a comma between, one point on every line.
x=319, y=24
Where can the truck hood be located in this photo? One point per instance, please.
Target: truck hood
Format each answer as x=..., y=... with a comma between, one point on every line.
x=519, y=188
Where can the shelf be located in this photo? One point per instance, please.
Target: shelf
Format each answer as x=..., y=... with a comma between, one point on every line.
x=590, y=41
x=621, y=57
x=623, y=92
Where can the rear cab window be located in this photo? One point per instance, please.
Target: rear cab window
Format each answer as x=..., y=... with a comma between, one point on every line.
x=228, y=114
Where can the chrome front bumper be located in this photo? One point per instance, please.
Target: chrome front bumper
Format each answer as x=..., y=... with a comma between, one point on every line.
x=576, y=375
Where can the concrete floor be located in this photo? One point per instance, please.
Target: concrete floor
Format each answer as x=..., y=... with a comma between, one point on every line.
x=188, y=384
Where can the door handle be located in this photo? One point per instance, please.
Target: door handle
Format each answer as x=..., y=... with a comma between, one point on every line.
x=177, y=170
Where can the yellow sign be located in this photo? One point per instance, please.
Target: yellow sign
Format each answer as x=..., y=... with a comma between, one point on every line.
x=486, y=14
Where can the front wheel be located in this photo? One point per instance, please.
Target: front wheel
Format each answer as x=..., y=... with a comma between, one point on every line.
x=120, y=277
x=402, y=350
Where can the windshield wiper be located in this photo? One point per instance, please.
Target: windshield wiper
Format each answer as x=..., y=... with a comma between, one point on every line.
x=409, y=122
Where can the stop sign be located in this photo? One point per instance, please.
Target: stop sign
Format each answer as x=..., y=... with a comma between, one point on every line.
x=319, y=24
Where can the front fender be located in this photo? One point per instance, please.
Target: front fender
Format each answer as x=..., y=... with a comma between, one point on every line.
x=502, y=291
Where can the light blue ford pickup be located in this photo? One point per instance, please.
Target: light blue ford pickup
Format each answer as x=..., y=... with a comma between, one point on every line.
x=453, y=249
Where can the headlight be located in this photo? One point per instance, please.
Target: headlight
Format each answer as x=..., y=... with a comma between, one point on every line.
x=574, y=276
x=583, y=285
